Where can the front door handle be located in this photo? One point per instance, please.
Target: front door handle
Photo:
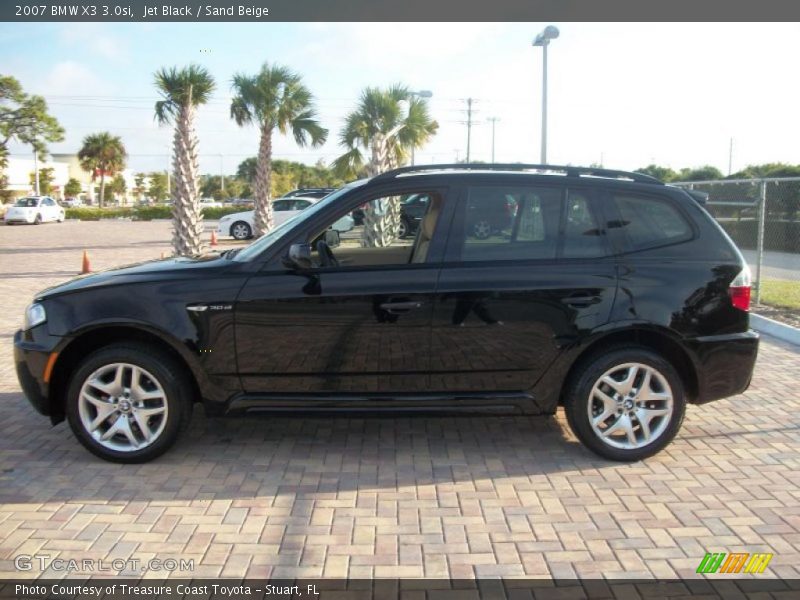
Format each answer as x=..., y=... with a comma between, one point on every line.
x=400, y=307
x=581, y=300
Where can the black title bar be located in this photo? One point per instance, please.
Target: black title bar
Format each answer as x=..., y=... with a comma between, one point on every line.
x=188, y=11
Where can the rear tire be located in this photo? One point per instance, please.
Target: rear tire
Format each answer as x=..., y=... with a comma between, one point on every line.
x=241, y=231
x=37, y=220
x=625, y=403
x=128, y=402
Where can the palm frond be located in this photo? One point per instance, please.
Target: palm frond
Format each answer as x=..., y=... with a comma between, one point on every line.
x=349, y=165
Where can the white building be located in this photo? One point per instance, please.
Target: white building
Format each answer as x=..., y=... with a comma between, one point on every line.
x=65, y=167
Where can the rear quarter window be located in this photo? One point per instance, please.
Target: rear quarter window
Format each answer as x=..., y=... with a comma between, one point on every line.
x=649, y=222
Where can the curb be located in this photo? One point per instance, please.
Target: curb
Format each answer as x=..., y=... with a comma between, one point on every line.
x=784, y=332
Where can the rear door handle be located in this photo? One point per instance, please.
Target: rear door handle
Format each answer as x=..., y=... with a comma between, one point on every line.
x=400, y=307
x=582, y=300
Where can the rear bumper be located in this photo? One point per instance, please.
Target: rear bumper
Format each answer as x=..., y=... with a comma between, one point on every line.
x=725, y=364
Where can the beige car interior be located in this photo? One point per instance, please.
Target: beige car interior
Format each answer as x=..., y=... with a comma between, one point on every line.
x=400, y=254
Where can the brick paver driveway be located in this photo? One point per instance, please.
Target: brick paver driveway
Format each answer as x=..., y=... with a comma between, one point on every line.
x=417, y=497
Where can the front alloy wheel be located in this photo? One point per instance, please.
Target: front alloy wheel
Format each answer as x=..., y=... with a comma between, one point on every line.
x=482, y=229
x=123, y=407
x=128, y=402
x=625, y=403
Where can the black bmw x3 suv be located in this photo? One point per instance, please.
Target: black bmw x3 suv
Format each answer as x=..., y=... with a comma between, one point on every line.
x=605, y=292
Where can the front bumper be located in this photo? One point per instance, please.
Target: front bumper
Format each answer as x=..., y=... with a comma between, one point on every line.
x=32, y=350
x=725, y=364
x=224, y=228
x=19, y=219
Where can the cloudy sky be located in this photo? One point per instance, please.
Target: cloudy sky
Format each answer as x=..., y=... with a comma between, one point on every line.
x=628, y=94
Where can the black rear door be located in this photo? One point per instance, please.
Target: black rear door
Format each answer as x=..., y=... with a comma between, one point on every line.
x=527, y=272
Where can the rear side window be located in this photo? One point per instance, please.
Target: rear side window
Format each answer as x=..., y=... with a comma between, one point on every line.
x=505, y=223
x=529, y=223
x=582, y=236
x=648, y=222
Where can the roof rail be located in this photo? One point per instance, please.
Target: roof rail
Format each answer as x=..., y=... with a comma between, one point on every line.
x=569, y=171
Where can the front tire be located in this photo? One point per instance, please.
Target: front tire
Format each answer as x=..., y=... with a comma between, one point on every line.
x=403, y=229
x=128, y=403
x=241, y=231
x=37, y=220
x=626, y=403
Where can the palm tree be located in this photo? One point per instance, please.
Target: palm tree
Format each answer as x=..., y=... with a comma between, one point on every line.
x=381, y=126
x=275, y=97
x=182, y=91
x=102, y=153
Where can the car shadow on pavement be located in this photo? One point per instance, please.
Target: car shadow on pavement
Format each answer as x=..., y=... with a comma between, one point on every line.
x=266, y=458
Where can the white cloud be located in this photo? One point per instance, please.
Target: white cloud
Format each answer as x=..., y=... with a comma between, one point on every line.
x=95, y=38
x=70, y=78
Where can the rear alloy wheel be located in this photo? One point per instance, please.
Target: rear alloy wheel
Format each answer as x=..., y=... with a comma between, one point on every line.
x=482, y=229
x=127, y=403
x=627, y=404
x=241, y=231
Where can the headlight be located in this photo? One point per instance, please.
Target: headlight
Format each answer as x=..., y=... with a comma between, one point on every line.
x=34, y=315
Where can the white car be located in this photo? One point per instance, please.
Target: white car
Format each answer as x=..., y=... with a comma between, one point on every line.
x=210, y=203
x=34, y=210
x=240, y=225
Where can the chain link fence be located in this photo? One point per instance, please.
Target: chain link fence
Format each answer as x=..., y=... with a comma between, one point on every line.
x=763, y=217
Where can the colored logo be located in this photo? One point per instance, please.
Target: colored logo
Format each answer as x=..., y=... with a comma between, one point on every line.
x=736, y=562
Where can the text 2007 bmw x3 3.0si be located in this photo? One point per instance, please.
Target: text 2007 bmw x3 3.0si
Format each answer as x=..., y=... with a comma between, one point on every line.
x=523, y=288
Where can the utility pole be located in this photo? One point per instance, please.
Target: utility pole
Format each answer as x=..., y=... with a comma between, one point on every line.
x=36, y=170
x=221, y=175
x=493, y=121
x=469, y=125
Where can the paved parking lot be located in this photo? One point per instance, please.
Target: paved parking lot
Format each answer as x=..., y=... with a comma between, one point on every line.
x=386, y=497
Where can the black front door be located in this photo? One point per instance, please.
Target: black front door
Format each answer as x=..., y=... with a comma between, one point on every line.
x=346, y=331
x=360, y=326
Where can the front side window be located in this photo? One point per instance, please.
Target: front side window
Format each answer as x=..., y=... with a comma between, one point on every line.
x=377, y=241
x=648, y=222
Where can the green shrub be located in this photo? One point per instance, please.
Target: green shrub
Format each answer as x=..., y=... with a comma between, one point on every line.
x=218, y=213
x=91, y=213
x=141, y=213
x=147, y=213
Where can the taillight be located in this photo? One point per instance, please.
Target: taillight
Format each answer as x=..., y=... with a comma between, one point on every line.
x=739, y=289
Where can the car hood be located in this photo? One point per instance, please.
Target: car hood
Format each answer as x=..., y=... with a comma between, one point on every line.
x=153, y=270
x=21, y=209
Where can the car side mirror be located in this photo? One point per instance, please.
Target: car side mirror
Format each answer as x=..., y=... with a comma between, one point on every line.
x=332, y=238
x=299, y=257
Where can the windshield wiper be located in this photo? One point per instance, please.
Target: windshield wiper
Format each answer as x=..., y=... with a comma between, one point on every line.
x=229, y=254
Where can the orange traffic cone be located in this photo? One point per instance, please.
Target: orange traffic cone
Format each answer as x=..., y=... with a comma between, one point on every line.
x=86, y=267
x=213, y=238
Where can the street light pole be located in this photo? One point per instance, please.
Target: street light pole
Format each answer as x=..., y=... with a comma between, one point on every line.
x=543, y=39
x=419, y=94
x=221, y=176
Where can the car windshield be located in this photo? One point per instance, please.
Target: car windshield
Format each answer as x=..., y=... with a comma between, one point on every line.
x=27, y=202
x=266, y=240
